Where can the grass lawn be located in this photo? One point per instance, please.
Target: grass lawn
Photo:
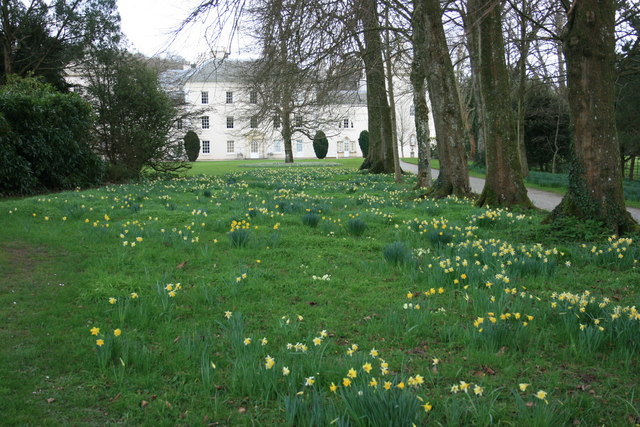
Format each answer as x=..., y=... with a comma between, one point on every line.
x=300, y=296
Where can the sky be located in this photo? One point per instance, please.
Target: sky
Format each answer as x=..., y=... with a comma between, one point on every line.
x=148, y=25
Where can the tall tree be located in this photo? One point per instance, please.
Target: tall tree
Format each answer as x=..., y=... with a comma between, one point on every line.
x=43, y=37
x=450, y=133
x=595, y=181
x=134, y=117
x=504, y=184
x=418, y=82
x=380, y=158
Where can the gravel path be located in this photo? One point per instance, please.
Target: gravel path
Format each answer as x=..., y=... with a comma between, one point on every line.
x=541, y=199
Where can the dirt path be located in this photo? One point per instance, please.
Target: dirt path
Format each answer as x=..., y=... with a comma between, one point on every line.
x=541, y=199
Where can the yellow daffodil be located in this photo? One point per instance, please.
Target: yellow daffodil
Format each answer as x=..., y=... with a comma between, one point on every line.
x=346, y=382
x=94, y=331
x=117, y=332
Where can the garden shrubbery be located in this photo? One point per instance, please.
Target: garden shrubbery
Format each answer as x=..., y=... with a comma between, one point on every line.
x=44, y=140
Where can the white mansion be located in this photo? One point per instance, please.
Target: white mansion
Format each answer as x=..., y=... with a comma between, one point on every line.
x=221, y=115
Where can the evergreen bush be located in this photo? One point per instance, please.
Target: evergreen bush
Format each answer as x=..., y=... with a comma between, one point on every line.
x=192, y=145
x=320, y=145
x=363, y=141
x=45, y=139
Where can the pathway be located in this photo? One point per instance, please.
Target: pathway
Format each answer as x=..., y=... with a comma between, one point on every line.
x=541, y=199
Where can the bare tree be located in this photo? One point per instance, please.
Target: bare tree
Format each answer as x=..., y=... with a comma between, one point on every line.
x=595, y=182
x=450, y=133
x=504, y=184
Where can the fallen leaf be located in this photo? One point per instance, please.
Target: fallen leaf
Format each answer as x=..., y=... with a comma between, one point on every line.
x=529, y=404
x=176, y=340
x=116, y=397
x=181, y=265
x=144, y=403
x=50, y=400
x=167, y=404
x=242, y=410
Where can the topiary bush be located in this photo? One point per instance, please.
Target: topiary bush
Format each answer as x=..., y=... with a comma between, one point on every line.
x=45, y=139
x=363, y=141
x=320, y=145
x=192, y=145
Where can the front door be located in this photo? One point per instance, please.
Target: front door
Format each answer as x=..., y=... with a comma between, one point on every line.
x=254, y=150
x=346, y=148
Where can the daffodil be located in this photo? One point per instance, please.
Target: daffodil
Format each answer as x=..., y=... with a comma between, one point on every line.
x=523, y=386
x=285, y=371
x=309, y=381
x=99, y=342
x=333, y=388
x=94, y=331
x=346, y=382
x=427, y=407
x=117, y=332
x=367, y=367
x=247, y=341
x=352, y=373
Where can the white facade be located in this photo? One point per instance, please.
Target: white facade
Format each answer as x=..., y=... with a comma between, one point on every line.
x=227, y=131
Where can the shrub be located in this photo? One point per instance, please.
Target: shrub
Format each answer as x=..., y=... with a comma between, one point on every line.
x=311, y=219
x=320, y=145
x=356, y=227
x=192, y=145
x=363, y=141
x=44, y=139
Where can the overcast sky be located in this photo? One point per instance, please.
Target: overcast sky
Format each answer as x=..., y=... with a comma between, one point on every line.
x=148, y=24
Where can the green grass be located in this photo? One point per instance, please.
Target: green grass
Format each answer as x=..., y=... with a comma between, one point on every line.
x=224, y=167
x=383, y=281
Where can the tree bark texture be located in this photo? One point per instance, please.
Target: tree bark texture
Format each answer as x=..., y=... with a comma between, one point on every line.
x=504, y=185
x=445, y=103
x=595, y=181
x=286, y=136
x=380, y=158
x=418, y=81
x=473, y=44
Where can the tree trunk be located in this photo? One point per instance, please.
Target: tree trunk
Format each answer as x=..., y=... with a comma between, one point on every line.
x=421, y=113
x=473, y=44
x=632, y=166
x=524, y=44
x=454, y=175
x=504, y=185
x=380, y=158
x=397, y=170
x=6, y=39
x=286, y=136
x=595, y=181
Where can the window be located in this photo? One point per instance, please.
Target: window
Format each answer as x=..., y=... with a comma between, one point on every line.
x=179, y=124
x=231, y=147
x=346, y=123
x=276, y=121
x=253, y=97
x=298, y=120
x=229, y=122
x=229, y=98
x=412, y=110
x=206, y=147
x=254, y=122
x=254, y=146
x=299, y=146
x=205, y=122
x=277, y=146
x=340, y=150
x=351, y=124
x=204, y=97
